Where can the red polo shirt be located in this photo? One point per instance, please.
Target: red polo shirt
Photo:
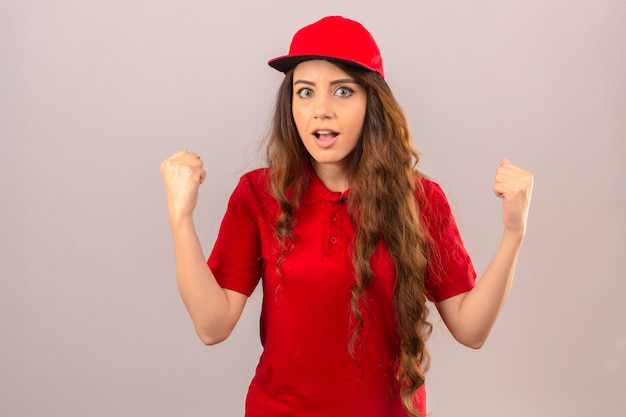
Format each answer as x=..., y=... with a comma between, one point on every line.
x=306, y=319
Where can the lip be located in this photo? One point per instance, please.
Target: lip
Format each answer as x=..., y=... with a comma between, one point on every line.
x=325, y=141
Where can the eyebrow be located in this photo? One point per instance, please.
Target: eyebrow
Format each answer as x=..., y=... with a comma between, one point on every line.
x=334, y=82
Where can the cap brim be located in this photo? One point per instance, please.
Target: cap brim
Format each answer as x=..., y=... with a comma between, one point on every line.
x=287, y=62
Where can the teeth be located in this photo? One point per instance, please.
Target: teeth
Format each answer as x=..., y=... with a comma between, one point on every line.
x=323, y=132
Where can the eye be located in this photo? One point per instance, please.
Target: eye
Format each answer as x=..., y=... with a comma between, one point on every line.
x=344, y=91
x=304, y=92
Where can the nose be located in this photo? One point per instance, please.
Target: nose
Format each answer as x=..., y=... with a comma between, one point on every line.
x=323, y=107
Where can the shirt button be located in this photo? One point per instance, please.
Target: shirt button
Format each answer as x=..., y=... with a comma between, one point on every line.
x=333, y=219
x=333, y=240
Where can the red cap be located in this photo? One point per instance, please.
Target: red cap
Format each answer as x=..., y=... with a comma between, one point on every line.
x=335, y=38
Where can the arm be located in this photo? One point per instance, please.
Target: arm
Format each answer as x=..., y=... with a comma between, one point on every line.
x=470, y=316
x=213, y=310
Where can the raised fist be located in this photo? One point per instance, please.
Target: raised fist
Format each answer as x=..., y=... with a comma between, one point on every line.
x=182, y=175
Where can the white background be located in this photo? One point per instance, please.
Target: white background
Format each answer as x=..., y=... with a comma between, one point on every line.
x=94, y=94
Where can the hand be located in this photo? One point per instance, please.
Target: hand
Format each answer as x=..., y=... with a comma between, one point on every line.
x=514, y=185
x=182, y=175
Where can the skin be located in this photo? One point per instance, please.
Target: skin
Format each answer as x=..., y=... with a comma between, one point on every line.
x=214, y=311
x=325, y=98
x=470, y=316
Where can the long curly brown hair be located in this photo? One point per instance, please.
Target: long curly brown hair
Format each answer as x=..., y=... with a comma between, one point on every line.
x=382, y=205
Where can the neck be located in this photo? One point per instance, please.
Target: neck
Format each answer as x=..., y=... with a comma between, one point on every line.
x=334, y=176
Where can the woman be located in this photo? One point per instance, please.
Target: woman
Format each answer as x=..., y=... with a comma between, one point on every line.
x=349, y=239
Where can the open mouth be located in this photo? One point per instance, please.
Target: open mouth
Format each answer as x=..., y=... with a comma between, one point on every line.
x=325, y=134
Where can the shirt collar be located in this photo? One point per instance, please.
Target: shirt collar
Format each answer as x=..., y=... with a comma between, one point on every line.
x=316, y=191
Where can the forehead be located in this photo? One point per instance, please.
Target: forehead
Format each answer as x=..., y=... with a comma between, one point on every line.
x=318, y=68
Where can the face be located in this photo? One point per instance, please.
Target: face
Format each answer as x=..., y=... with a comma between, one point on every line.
x=329, y=110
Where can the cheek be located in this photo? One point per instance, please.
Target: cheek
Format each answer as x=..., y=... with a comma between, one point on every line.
x=298, y=118
x=359, y=121
x=359, y=115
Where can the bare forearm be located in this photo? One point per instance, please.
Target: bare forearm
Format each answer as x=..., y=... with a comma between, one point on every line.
x=213, y=310
x=471, y=315
x=481, y=306
x=206, y=302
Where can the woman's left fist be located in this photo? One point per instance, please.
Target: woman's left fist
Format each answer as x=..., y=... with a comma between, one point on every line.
x=514, y=186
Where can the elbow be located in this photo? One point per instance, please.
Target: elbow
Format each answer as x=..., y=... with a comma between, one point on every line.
x=212, y=338
x=473, y=342
x=211, y=341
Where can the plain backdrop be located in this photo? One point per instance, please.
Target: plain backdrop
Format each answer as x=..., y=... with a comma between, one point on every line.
x=95, y=94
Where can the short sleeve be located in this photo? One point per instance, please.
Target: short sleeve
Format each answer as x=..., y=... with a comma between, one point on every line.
x=450, y=269
x=236, y=256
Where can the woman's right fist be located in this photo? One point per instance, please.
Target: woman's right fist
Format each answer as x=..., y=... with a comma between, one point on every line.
x=182, y=175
